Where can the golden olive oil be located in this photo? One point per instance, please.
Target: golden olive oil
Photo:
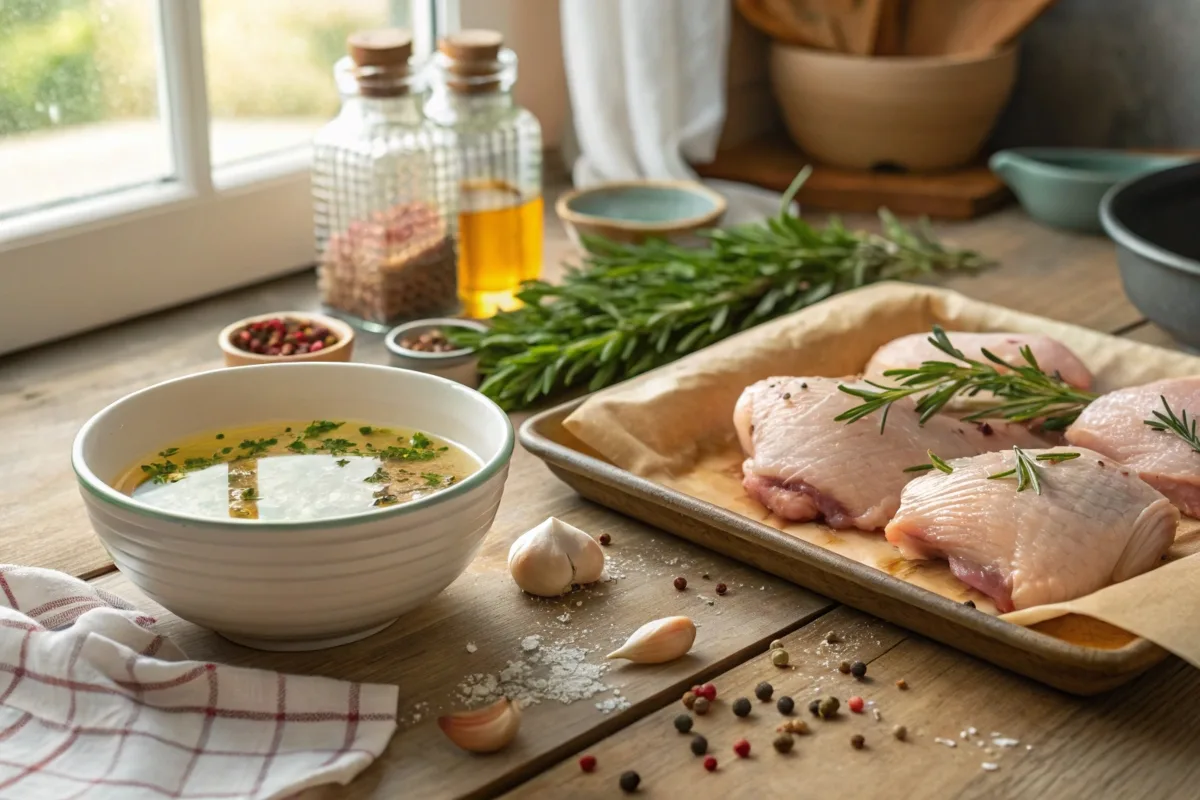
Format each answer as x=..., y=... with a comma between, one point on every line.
x=499, y=246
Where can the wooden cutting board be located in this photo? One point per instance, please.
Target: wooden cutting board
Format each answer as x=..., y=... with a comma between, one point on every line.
x=773, y=162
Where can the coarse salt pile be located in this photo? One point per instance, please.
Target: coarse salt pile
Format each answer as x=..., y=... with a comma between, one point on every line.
x=552, y=672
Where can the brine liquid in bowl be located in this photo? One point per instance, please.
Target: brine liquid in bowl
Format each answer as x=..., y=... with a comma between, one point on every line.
x=294, y=471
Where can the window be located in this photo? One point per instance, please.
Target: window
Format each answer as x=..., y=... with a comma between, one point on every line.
x=155, y=151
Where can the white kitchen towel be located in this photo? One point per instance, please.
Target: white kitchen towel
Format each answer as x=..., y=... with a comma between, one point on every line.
x=94, y=704
x=647, y=86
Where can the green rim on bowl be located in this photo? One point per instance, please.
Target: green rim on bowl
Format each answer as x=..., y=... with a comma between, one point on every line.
x=102, y=491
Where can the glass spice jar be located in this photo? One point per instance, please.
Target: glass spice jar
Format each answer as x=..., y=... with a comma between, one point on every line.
x=383, y=191
x=499, y=153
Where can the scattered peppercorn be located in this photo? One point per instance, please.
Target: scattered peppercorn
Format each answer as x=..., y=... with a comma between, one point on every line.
x=783, y=743
x=722, y=588
x=587, y=763
x=605, y=539
x=629, y=781
x=710, y=764
x=700, y=706
x=776, y=645
x=764, y=691
x=902, y=684
x=793, y=726
x=681, y=583
x=814, y=708
x=704, y=575
x=683, y=723
x=689, y=699
x=741, y=707
x=858, y=669
x=832, y=638
x=779, y=658
x=844, y=667
x=828, y=707
x=786, y=705
x=742, y=748
x=969, y=603
x=699, y=745
x=900, y=732
x=708, y=691
x=855, y=704
x=857, y=741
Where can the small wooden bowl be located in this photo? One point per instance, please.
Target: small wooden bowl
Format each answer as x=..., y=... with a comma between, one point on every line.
x=919, y=113
x=634, y=211
x=341, y=351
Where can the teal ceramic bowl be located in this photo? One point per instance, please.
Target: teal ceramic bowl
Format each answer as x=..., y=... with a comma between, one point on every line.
x=1063, y=186
x=634, y=211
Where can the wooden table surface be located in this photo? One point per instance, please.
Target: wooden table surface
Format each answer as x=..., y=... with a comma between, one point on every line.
x=1134, y=742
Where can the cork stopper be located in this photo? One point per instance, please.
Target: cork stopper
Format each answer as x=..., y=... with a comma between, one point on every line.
x=474, y=56
x=381, y=57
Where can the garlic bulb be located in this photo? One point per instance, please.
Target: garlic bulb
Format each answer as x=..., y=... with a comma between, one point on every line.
x=485, y=730
x=658, y=642
x=549, y=558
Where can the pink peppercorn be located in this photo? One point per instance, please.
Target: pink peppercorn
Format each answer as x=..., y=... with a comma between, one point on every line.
x=742, y=748
x=708, y=692
x=710, y=764
x=587, y=763
x=856, y=704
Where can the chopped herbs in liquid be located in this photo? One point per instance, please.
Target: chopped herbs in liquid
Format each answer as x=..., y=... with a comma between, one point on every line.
x=272, y=475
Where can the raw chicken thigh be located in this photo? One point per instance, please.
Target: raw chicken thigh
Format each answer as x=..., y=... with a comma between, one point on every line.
x=802, y=464
x=910, y=351
x=1113, y=425
x=1095, y=523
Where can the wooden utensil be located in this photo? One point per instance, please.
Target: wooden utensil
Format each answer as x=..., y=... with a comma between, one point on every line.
x=855, y=21
x=783, y=23
x=889, y=39
x=989, y=24
x=965, y=27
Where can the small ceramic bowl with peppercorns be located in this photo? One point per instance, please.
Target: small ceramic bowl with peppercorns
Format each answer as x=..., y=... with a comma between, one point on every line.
x=286, y=337
x=427, y=345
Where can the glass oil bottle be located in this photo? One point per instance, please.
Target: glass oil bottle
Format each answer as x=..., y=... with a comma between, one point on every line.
x=384, y=187
x=499, y=155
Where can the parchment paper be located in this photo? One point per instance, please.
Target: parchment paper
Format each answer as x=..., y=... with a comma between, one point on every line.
x=674, y=426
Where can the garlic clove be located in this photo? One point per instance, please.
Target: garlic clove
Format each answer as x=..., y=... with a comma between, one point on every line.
x=547, y=559
x=658, y=642
x=484, y=730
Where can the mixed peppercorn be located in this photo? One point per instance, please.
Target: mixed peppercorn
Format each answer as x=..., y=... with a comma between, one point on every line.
x=283, y=336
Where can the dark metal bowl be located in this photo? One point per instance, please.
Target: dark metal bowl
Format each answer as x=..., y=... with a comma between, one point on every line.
x=1155, y=221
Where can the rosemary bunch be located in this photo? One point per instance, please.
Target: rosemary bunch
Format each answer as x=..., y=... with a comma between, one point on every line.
x=1023, y=392
x=630, y=308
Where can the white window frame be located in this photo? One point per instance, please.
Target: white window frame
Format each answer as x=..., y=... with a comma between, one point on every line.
x=83, y=264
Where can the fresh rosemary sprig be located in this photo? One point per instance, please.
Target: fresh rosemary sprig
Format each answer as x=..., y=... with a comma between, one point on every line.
x=1023, y=392
x=1181, y=425
x=934, y=463
x=631, y=308
x=1027, y=468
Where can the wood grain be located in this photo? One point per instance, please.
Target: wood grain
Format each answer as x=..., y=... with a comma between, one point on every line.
x=1131, y=743
x=772, y=162
x=425, y=652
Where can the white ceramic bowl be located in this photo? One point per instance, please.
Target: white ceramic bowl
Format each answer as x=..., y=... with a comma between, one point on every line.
x=306, y=585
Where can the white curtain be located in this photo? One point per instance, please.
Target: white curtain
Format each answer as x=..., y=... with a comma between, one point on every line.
x=647, y=85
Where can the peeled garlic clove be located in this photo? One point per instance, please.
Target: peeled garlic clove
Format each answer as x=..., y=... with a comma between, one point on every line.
x=659, y=641
x=485, y=730
x=549, y=558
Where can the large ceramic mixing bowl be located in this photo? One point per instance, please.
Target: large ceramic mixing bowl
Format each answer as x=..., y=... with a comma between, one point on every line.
x=1153, y=219
x=294, y=585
